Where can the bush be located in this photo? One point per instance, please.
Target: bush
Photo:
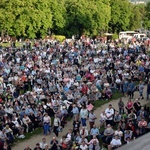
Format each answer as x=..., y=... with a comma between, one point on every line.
x=60, y=38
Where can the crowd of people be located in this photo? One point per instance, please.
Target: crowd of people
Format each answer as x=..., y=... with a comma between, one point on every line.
x=55, y=80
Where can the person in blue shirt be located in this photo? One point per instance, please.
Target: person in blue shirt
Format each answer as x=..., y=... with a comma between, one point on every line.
x=125, y=86
x=141, y=88
x=75, y=111
x=141, y=68
x=131, y=88
x=66, y=89
x=29, y=110
x=22, y=113
x=94, y=132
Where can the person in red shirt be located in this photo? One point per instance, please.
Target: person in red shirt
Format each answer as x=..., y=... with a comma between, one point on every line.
x=129, y=106
x=142, y=126
x=92, y=78
x=130, y=126
x=84, y=89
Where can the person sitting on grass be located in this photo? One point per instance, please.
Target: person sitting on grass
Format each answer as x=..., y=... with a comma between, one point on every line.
x=142, y=126
x=108, y=93
x=94, y=144
x=115, y=143
x=94, y=131
x=108, y=134
x=127, y=135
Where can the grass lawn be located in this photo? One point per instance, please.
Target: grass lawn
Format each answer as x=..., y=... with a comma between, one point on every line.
x=115, y=96
x=28, y=136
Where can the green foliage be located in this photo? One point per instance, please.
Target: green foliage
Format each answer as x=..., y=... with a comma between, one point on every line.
x=147, y=16
x=120, y=15
x=60, y=38
x=137, y=13
x=115, y=36
x=85, y=17
x=115, y=96
x=25, y=18
x=34, y=18
x=58, y=15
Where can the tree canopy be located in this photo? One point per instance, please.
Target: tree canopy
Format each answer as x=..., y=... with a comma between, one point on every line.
x=34, y=18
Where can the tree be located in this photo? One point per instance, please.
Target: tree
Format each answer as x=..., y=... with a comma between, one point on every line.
x=25, y=17
x=147, y=16
x=58, y=15
x=87, y=16
x=120, y=15
x=137, y=14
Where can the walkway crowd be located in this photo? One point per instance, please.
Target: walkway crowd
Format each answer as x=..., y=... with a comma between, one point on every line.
x=60, y=80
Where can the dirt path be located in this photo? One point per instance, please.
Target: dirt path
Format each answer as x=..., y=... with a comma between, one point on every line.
x=38, y=138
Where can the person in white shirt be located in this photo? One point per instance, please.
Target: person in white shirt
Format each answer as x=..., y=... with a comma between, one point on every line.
x=84, y=132
x=83, y=146
x=27, y=122
x=119, y=133
x=118, y=82
x=109, y=115
x=83, y=115
x=102, y=119
x=47, y=123
x=43, y=144
x=115, y=143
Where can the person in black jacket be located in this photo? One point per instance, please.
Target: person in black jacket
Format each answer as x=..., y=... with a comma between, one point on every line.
x=37, y=147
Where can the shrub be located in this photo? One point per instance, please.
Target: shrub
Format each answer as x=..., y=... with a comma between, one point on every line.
x=60, y=38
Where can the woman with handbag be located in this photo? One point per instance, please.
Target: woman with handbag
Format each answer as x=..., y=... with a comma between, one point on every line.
x=56, y=125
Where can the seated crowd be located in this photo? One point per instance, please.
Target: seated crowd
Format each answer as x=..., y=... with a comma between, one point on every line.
x=115, y=129
x=57, y=80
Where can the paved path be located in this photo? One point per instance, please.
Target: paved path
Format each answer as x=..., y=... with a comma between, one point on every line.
x=38, y=138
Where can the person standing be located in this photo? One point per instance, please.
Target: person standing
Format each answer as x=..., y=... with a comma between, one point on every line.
x=38, y=147
x=56, y=125
x=109, y=115
x=148, y=90
x=137, y=105
x=47, y=123
x=131, y=88
x=83, y=115
x=121, y=106
x=141, y=88
x=43, y=143
x=92, y=118
x=76, y=126
x=54, y=144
